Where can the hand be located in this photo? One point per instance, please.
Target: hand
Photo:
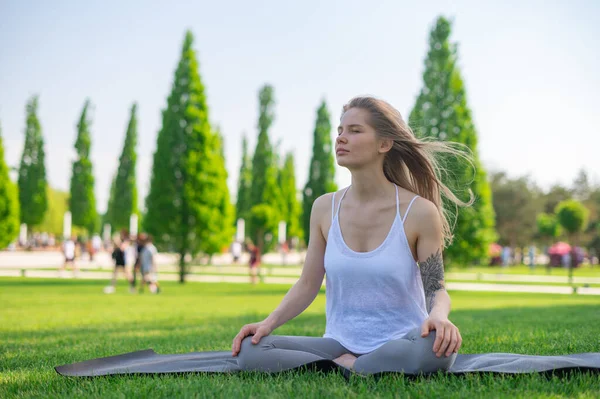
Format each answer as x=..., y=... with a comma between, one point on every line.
x=259, y=330
x=447, y=338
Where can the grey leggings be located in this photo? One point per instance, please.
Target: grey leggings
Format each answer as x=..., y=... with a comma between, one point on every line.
x=411, y=354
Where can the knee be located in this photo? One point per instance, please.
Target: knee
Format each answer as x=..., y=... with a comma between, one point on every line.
x=428, y=360
x=250, y=354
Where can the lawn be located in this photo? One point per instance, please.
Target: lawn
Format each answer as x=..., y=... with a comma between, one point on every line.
x=538, y=270
x=44, y=323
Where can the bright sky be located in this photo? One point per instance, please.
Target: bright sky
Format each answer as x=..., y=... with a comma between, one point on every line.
x=531, y=72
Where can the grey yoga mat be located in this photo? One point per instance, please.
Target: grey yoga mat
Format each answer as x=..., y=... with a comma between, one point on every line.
x=150, y=362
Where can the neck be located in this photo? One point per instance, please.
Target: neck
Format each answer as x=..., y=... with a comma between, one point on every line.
x=369, y=185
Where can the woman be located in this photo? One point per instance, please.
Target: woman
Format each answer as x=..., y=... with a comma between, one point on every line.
x=380, y=242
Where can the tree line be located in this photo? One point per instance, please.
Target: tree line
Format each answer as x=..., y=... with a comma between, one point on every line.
x=189, y=209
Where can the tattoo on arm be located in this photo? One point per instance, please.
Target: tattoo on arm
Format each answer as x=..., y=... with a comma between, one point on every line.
x=432, y=273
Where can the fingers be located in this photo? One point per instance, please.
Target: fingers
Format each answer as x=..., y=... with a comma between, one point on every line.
x=453, y=343
x=459, y=344
x=439, y=337
x=237, y=341
x=257, y=336
x=425, y=329
x=447, y=336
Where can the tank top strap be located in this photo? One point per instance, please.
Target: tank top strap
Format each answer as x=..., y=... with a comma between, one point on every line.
x=408, y=209
x=332, y=206
x=397, y=202
x=339, y=203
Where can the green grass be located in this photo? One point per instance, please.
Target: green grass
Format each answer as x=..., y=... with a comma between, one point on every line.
x=565, y=284
x=539, y=270
x=49, y=322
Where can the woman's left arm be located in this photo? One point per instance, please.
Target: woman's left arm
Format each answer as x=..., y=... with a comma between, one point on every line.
x=429, y=252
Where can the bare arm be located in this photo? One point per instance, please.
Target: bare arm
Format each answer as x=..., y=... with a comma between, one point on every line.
x=304, y=292
x=431, y=265
x=436, y=296
x=301, y=295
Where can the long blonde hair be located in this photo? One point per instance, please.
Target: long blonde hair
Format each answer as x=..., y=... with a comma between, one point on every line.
x=412, y=163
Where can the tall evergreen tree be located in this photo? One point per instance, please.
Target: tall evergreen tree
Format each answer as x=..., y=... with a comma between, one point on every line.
x=243, y=204
x=9, y=203
x=441, y=112
x=57, y=206
x=289, y=193
x=33, y=198
x=82, y=202
x=321, y=174
x=123, y=195
x=265, y=192
x=221, y=233
x=184, y=202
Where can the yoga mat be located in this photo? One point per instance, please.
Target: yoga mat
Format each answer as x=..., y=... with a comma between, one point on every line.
x=150, y=362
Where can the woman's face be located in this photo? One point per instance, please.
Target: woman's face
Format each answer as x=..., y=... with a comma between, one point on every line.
x=357, y=143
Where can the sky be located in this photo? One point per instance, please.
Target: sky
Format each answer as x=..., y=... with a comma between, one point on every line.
x=530, y=70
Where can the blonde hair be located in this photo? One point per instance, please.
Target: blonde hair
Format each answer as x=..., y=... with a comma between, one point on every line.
x=412, y=163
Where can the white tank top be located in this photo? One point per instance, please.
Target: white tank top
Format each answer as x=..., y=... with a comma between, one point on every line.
x=372, y=297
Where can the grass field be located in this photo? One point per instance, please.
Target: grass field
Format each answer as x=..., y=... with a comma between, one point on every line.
x=44, y=323
x=538, y=270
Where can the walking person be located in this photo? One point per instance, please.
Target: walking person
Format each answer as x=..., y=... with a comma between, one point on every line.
x=119, y=257
x=148, y=266
x=254, y=262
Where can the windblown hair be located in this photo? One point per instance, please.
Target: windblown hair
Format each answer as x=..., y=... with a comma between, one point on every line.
x=413, y=163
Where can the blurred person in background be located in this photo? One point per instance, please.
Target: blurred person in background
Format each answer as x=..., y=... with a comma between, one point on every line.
x=119, y=258
x=148, y=266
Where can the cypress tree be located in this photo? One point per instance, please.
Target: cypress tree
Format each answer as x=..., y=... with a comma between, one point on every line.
x=441, y=112
x=221, y=228
x=321, y=174
x=123, y=194
x=243, y=204
x=82, y=202
x=265, y=194
x=33, y=196
x=183, y=203
x=9, y=203
x=289, y=193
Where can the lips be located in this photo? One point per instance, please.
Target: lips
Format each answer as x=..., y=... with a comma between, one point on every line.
x=341, y=151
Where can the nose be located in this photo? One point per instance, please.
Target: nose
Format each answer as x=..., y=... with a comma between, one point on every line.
x=341, y=139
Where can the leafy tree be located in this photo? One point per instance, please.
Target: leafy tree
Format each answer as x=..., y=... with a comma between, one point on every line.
x=321, y=175
x=32, y=183
x=243, y=203
x=290, y=197
x=441, y=112
x=82, y=202
x=185, y=200
x=573, y=217
x=265, y=192
x=123, y=197
x=9, y=203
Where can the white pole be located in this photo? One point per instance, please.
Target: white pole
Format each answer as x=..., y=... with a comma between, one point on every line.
x=281, y=234
x=133, y=225
x=23, y=234
x=106, y=233
x=67, y=225
x=241, y=230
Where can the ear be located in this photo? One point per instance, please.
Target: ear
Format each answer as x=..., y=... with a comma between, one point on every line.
x=385, y=145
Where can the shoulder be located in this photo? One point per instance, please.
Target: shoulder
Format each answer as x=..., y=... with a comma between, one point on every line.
x=428, y=215
x=322, y=204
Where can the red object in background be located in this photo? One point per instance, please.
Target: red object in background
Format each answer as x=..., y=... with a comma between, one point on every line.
x=560, y=248
x=495, y=249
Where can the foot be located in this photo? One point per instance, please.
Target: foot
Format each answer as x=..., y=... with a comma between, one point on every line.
x=346, y=360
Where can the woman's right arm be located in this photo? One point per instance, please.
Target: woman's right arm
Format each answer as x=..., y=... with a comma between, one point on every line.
x=301, y=295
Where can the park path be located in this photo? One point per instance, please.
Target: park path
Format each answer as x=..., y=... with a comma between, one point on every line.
x=44, y=264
